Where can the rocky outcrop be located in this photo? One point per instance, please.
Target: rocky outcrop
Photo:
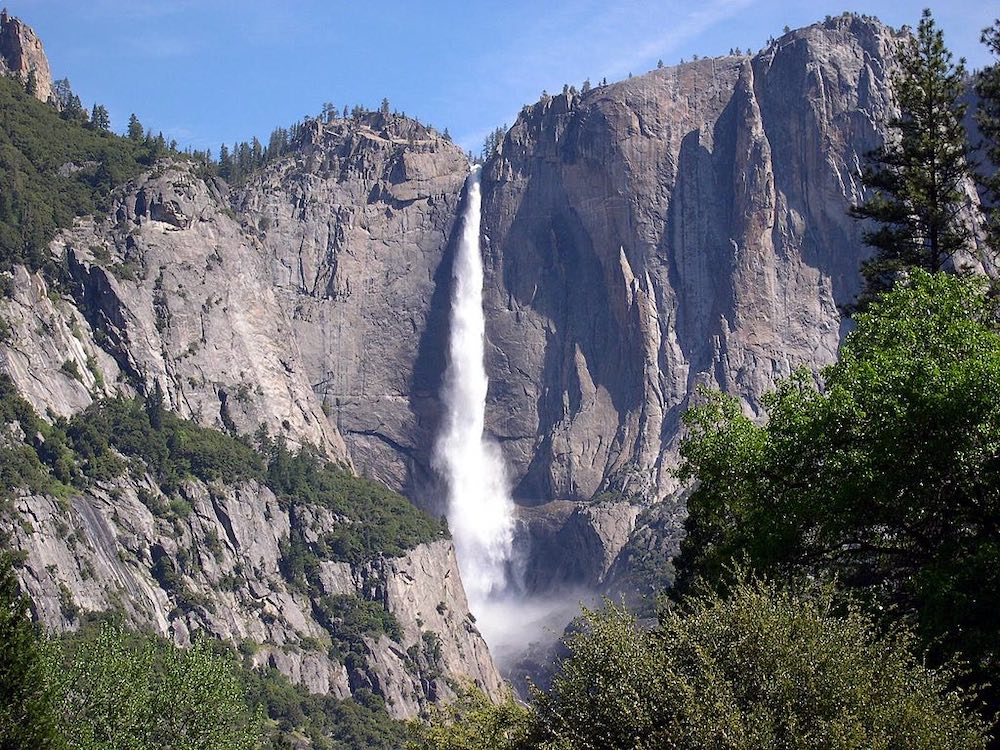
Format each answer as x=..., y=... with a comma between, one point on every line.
x=212, y=558
x=22, y=55
x=316, y=308
x=356, y=233
x=564, y=545
x=684, y=227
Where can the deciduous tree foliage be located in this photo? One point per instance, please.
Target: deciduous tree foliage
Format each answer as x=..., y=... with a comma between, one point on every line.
x=885, y=475
x=474, y=722
x=127, y=691
x=758, y=667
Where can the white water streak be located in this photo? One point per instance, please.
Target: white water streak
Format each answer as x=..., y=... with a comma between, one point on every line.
x=480, y=510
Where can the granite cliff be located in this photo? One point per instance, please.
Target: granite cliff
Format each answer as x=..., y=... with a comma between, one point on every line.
x=684, y=227
x=298, y=303
x=642, y=238
x=22, y=55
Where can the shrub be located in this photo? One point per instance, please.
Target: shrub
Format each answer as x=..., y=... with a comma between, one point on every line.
x=758, y=667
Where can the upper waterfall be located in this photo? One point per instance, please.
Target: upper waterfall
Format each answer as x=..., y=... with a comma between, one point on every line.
x=480, y=509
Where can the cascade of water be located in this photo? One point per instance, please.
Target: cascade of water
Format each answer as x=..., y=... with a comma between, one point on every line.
x=480, y=510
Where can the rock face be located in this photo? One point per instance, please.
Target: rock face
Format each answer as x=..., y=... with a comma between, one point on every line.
x=684, y=227
x=214, y=563
x=357, y=241
x=317, y=309
x=21, y=54
x=572, y=546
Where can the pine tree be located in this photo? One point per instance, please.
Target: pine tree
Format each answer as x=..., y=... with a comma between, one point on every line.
x=916, y=178
x=99, y=117
x=62, y=91
x=154, y=406
x=135, y=131
x=31, y=84
x=988, y=117
x=28, y=704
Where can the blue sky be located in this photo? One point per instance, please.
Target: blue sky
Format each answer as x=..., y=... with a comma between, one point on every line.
x=212, y=71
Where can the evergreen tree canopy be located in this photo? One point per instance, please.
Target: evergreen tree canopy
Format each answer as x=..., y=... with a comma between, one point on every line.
x=36, y=197
x=988, y=117
x=99, y=118
x=135, y=131
x=915, y=179
x=28, y=715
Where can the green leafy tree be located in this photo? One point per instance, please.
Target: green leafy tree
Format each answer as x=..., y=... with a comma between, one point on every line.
x=759, y=666
x=28, y=716
x=886, y=475
x=988, y=118
x=916, y=197
x=474, y=722
x=124, y=690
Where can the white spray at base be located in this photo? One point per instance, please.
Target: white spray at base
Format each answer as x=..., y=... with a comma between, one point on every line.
x=480, y=510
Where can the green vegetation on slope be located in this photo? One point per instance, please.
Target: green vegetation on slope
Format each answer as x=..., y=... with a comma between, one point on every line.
x=381, y=520
x=114, y=435
x=53, y=168
x=327, y=723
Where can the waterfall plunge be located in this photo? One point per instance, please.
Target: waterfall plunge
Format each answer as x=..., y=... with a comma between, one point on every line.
x=480, y=510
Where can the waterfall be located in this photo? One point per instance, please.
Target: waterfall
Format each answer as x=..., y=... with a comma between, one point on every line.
x=480, y=510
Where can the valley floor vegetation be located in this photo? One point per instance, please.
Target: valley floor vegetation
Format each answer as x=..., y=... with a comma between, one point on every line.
x=108, y=688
